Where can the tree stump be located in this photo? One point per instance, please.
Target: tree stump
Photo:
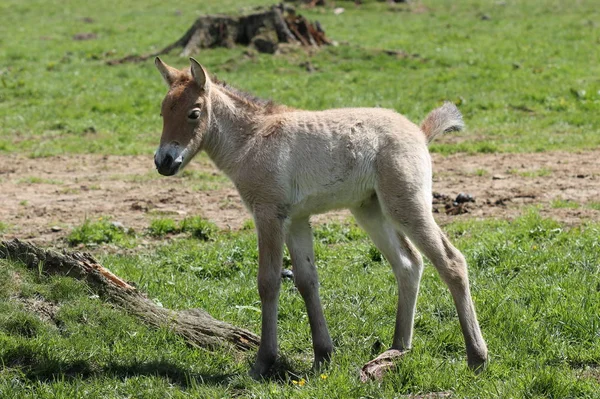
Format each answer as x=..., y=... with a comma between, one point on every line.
x=264, y=29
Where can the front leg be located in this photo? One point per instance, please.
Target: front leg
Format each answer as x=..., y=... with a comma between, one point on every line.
x=270, y=256
x=299, y=241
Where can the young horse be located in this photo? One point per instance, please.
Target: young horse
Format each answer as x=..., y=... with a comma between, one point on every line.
x=288, y=164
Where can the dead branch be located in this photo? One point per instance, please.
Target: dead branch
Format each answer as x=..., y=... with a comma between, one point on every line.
x=196, y=326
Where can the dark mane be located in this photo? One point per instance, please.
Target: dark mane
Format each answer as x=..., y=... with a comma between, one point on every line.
x=250, y=100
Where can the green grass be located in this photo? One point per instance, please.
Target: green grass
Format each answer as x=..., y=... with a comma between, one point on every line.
x=561, y=203
x=197, y=227
x=102, y=231
x=481, y=172
x=39, y=180
x=163, y=226
x=535, y=285
x=541, y=172
x=525, y=79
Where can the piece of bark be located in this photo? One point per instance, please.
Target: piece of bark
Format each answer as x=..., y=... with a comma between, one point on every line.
x=196, y=326
x=376, y=368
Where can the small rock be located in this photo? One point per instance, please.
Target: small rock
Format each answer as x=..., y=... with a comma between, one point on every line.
x=287, y=273
x=498, y=177
x=55, y=229
x=139, y=206
x=85, y=36
x=463, y=197
x=118, y=225
x=308, y=66
x=439, y=198
x=502, y=201
x=338, y=10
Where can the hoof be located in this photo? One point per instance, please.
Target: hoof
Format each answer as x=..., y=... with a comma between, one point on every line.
x=261, y=369
x=322, y=358
x=258, y=373
x=477, y=363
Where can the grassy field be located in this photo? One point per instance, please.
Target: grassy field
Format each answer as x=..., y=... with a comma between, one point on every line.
x=535, y=285
x=526, y=76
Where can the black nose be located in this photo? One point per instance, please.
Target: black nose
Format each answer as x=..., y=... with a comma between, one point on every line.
x=167, y=166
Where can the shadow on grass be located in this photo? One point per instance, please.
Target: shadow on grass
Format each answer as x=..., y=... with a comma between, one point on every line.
x=283, y=371
x=39, y=366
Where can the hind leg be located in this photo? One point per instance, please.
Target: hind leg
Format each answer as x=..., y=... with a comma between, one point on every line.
x=406, y=263
x=404, y=191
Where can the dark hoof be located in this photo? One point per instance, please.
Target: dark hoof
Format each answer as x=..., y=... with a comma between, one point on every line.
x=477, y=363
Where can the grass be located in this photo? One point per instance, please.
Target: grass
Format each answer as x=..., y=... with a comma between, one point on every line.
x=541, y=172
x=101, y=231
x=561, y=203
x=197, y=226
x=535, y=285
x=163, y=226
x=39, y=180
x=481, y=172
x=523, y=77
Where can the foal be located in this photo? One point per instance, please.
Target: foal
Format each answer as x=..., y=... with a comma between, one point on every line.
x=288, y=164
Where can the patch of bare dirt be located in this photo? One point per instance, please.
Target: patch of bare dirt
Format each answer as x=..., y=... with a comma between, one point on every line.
x=42, y=199
x=45, y=310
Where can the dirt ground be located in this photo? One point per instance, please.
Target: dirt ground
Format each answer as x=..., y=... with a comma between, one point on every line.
x=42, y=199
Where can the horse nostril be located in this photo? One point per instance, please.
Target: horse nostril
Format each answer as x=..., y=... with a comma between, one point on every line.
x=167, y=165
x=168, y=160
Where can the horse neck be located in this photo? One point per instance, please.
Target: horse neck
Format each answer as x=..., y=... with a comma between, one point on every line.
x=230, y=128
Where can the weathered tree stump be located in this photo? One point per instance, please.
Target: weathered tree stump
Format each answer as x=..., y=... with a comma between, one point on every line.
x=196, y=326
x=264, y=29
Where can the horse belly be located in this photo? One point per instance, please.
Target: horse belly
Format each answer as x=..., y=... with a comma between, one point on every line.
x=335, y=195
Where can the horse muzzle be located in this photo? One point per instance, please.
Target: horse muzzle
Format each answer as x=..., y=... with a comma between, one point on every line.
x=168, y=159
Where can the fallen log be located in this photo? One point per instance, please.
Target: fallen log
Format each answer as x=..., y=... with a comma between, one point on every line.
x=264, y=29
x=196, y=326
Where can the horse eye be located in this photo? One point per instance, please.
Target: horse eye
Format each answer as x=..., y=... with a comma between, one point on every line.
x=195, y=114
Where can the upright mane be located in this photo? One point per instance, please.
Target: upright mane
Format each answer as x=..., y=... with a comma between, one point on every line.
x=249, y=100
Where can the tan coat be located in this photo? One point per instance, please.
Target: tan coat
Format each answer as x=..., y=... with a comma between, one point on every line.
x=289, y=164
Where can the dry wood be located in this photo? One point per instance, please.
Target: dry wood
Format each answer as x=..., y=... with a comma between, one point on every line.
x=196, y=326
x=376, y=368
x=263, y=29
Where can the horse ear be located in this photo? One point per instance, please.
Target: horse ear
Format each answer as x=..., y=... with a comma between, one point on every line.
x=168, y=73
x=199, y=74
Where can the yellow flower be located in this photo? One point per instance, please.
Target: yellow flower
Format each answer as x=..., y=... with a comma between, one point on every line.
x=323, y=376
